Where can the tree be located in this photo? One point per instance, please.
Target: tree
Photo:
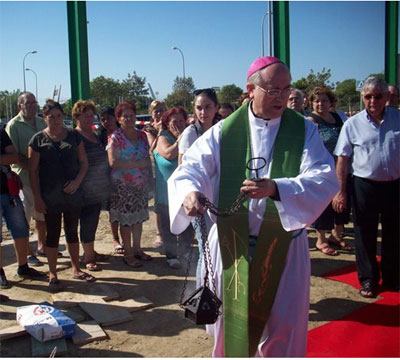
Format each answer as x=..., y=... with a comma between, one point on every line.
x=313, y=80
x=105, y=91
x=182, y=93
x=134, y=88
x=348, y=96
x=67, y=107
x=8, y=103
x=229, y=94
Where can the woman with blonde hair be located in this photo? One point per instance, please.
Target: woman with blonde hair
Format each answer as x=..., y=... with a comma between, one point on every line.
x=96, y=183
x=329, y=126
x=156, y=110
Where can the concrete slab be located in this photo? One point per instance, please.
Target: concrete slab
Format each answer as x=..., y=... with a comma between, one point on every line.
x=87, y=332
x=96, y=293
x=12, y=332
x=106, y=314
x=42, y=349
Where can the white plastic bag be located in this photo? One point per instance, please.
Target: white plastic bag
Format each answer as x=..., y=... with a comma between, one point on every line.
x=44, y=322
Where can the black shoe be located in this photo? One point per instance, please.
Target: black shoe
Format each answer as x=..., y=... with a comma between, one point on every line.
x=34, y=261
x=368, y=289
x=3, y=280
x=26, y=272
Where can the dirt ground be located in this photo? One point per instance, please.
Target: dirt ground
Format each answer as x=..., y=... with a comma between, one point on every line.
x=161, y=331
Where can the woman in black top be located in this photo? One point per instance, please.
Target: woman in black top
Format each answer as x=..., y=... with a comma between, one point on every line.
x=57, y=166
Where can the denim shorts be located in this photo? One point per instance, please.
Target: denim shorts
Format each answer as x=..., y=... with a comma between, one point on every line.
x=14, y=216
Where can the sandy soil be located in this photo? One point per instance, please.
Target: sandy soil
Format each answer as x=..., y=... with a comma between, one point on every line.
x=161, y=331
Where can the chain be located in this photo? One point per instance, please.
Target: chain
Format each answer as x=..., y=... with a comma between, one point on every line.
x=187, y=274
x=223, y=212
x=201, y=222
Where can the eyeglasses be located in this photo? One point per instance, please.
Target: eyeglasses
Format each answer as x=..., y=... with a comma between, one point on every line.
x=276, y=92
x=208, y=91
x=376, y=97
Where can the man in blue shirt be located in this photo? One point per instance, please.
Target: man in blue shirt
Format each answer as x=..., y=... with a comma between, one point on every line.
x=369, y=147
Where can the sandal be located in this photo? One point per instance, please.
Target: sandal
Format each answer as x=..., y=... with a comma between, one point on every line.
x=84, y=276
x=327, y=250
x=134, y=263
x=119, y=249
x=141, y=255
x=55, y=285
x=92, y=266
x=340, y=243
x=368, y=289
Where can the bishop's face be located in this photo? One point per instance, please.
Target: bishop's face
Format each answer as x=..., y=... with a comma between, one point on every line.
x=271, y=93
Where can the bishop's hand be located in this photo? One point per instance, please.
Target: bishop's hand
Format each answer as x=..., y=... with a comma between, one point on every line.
x=259, y=189
x=192, y=204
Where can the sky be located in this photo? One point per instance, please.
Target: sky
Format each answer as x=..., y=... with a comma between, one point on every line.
x=219, y=41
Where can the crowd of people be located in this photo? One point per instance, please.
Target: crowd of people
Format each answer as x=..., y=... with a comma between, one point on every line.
x=299, y=161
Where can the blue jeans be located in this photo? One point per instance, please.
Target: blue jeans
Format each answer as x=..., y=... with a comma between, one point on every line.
x=13, y=213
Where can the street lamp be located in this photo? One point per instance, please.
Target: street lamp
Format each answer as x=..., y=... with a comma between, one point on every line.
x=269, y=13
x=183, y=59
x=23, y=66
x=34, y=73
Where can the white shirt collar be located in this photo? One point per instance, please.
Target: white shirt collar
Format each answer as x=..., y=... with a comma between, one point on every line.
x=260, y=122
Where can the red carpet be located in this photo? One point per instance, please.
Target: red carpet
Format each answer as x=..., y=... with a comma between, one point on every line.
x=371, y=331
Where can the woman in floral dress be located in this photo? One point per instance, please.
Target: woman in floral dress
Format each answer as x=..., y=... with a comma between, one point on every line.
x=128, y=155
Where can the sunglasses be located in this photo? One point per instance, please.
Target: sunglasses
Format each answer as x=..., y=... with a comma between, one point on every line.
x=208, y=91
x=376, y=97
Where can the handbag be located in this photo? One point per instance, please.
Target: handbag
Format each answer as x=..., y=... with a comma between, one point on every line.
x=14, y=182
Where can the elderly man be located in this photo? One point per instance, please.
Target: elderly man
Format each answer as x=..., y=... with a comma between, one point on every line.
x=369, y=146
x=296, y=100
x=20, y=129
x=265, y=305
x=394, y=96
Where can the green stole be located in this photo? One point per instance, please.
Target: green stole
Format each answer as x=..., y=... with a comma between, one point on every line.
x=249, y=289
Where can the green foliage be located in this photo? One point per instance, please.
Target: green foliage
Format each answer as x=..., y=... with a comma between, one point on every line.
x=186, y=84
x=105, y=91
x=229, y=94
x=182, y=93
x=8, y=103
x=348, y=96
x=313, y=80
x=67, y=107
x=134, y=88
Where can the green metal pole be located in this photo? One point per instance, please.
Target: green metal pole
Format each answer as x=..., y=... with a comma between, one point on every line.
x=281, y=31
x=391, y=41
x=78, y=50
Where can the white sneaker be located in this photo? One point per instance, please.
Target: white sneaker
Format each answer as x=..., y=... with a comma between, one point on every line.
x=174, y=263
